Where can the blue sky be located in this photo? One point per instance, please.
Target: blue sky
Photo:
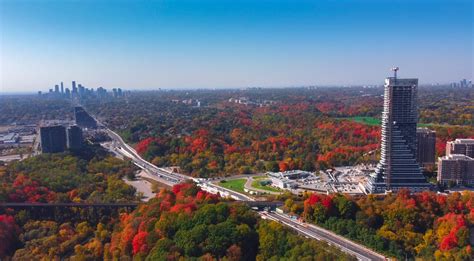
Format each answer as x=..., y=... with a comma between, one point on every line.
x=239, y=43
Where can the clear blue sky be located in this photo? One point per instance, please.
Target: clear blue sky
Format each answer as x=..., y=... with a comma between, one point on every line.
x=238, y=43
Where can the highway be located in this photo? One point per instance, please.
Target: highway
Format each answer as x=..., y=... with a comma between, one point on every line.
x=311, y=231
x=350, y=247
x=170, y=178
x=123, y=148
x=164, y=176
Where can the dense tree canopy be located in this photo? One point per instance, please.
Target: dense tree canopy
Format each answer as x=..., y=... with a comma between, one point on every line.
x=298, y=128
x=31, y=109
x=423, y=225
x=91, y=176
x=301, y=128
x=182, y=223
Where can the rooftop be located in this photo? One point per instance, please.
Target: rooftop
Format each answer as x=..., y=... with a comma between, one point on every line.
x=462, y=141
x=9, y=138
x=400, y=82
x=424, y=129
x=456, y=157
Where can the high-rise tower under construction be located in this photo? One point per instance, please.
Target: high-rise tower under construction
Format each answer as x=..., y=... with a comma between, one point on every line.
x=398, y=167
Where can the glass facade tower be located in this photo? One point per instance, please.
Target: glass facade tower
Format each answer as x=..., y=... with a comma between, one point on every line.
x=398, y=167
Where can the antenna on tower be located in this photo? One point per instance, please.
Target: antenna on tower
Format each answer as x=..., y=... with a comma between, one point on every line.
x=395, y=70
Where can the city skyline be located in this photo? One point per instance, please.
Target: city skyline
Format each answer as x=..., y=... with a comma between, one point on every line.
x=221, y=44
x=68, y=86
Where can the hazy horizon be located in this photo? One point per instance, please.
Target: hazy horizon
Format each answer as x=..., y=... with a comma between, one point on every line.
x=223, y=88
x=226, y=44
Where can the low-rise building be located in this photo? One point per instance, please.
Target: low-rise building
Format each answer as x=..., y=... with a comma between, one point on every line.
x=287, y=179
x=460, y=146
x=10, y=139
x=456, y=169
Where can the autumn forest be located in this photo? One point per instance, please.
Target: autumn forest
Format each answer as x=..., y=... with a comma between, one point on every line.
x=217, y=133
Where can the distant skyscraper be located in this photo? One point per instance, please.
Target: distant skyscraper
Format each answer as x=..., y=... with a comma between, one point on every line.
x=56, y=88
x=101, y=92
x=426, y=143
x=62, y=87
x=83, y=119
x=81, y=90
x=74, y=88
x=398, y=167
x=74, y=137
x=53, y=139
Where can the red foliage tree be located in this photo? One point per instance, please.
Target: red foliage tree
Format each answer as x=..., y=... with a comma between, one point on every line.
x=454, y=222
x=139, y=243
x=283, y=166
x=313, y=199
x=8, y=234
x=27, y=190
x=181, y=188
x=186, y=208
x=142, y=146
x=327, y=203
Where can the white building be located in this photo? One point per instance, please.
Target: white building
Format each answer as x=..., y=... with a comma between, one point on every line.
x=287, y=179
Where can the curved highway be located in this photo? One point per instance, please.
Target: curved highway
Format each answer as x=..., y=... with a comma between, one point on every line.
x=123, y=148
x=170, y=178
x=348, y=246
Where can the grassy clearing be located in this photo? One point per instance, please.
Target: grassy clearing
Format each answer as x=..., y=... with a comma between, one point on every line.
x=371, y=121
x=234, y=184
x=256, y=184
x=365, y=120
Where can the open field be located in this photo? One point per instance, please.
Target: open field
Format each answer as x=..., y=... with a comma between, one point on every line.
x=235, y=184
x=372, y=121
x=365, y=120
x=256, y=184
